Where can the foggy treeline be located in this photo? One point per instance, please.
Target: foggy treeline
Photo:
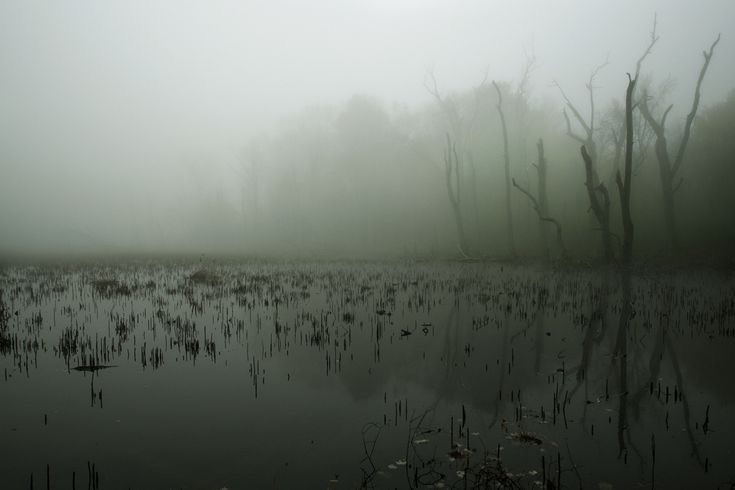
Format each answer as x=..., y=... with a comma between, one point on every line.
x=365, y=179
x=464, y=172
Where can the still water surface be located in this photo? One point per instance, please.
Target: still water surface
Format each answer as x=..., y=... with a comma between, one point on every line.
x=377, y=375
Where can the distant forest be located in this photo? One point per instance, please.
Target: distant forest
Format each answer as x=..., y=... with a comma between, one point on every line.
x=491, y=172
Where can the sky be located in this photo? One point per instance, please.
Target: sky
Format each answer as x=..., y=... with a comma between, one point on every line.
x=101, y=101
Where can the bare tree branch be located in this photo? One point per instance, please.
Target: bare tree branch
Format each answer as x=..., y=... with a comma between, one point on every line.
x=600, y=210
x=658, y=127
x=666, y=114
x=542, y=217
x=654, y=39
x=506, y=158
x=695, y=104
x=451, y=163
x=574, y=110
x=447, y=105
x=570, y=133
x=591, y=89
x=528, y=67
x=476, y=108
x=624, y=182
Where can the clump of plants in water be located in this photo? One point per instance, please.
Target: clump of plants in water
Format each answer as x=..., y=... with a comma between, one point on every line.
x=206, y=277
x=110, y=288
x=4, y=316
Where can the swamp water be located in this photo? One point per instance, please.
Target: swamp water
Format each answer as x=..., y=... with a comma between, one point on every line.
x=377, y=375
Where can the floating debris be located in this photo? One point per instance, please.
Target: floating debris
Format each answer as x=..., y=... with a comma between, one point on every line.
x=526, y=438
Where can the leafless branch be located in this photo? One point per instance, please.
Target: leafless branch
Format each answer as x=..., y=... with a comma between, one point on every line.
x=542, y=217
x=528, y=67
x=570, y=133
x=574, y=110
x=654, y=39
x=591, y=89
x=695, y=104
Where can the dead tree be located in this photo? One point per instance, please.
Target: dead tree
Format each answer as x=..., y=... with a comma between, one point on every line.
x=668, y=169
x=521, y=102
x=544, y=218
x=543, y=200
x=643, y=135
x=624, y=182
x=449, y=108
x=451, y=167
x=599, y=203
x=461, y=129
x=618, y=143
x=506, y=159
x=590, y=149
x=473, y=194
x=654, y=40
x=588, y=127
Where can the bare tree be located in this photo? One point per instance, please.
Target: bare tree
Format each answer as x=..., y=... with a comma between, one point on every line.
x=612, y=137
x=617, y=125
x=544, y=218
x=448, y=106
x=624, y=182
x=522, y=103
x=460, y=131
x=588, y=127
x=506, y=159
x=668, y=169
x=614, y=121
x=473, y=195
x=543, y=200
x=653, y=41
x=541, y=205
x=600, y=203
x=451, y=167
x=601, y=209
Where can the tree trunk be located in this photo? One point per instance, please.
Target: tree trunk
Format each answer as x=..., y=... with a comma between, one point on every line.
x=544, y=218
x=668, y=189
x=506, y=159
x=624, y=182
x=669, y=170
x=462, y=241
x=600, y=209
x=475, y=206
x=451, y=163
x=543, y=201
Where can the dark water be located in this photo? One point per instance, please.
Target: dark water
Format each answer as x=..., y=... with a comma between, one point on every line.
x=327, y=375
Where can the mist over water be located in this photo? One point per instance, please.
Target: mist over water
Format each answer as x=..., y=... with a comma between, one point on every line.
x=367, y=244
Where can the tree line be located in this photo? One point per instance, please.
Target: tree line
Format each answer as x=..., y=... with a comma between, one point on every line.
x=518, y=178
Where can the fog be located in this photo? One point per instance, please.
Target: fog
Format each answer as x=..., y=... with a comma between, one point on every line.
x=316, y=129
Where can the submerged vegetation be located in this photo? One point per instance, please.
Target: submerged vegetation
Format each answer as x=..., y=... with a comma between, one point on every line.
x=374, y=375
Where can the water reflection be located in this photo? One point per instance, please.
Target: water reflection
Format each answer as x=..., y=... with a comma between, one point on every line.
x=373, y=375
